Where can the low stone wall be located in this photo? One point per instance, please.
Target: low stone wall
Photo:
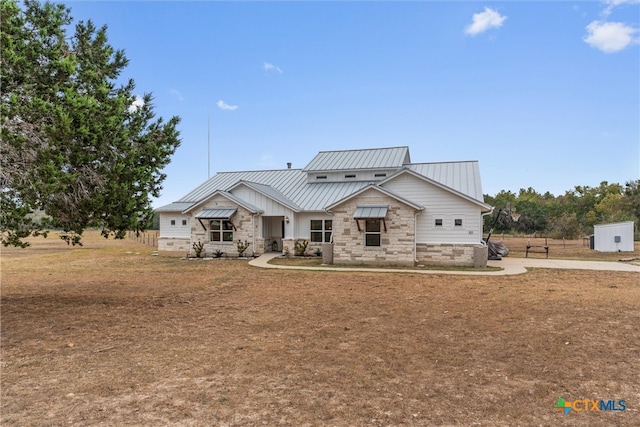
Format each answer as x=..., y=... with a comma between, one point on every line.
x=174, y=244
x=448, y=254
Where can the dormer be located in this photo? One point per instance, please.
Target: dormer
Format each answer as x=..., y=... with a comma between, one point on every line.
x=356, y=165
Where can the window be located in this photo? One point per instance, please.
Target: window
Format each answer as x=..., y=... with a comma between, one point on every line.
x=438, y=222
x=173, y=222
x=372, y=232
x=321, y=230
x=321, y=177
x=380, y=175
x=350, y=176
x=184, y=222
x=220, y=230
x=457, y=222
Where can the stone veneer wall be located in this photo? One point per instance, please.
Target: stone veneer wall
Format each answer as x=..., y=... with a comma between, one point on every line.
x=446, y=254
x=396, y=243
x=174, y=244
x=242, y=220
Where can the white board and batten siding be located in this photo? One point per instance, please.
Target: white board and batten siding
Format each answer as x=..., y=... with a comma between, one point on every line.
x=268, y=205
x=439, y=205
x=174, y=224
x=303, y=223
x=615, y=237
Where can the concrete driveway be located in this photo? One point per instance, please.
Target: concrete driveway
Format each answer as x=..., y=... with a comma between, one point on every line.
x=509, y=266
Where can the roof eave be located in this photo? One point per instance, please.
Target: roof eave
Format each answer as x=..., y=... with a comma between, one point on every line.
x=380, y=189
x=483, y=206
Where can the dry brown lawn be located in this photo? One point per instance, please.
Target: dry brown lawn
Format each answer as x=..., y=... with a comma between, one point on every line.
x=109, y=335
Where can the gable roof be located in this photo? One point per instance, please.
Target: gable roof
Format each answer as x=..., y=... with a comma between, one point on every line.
x=463, y=177
x=292, y=189
x=374, y=158
x=382, y=190
x=248, y=206
x=270, y=192
x=464, y=195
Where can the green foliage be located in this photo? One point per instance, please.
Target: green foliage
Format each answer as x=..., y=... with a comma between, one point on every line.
x=73, y=145
x=218, y=253
x=300, y=247
x=570, y=215
x=197, y=248
x=242, y=247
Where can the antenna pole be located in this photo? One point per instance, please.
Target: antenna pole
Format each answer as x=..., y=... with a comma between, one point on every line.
x=208, y=146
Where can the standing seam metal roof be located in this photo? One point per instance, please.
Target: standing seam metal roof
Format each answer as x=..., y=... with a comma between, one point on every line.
x=464, y=177
x=377, y=158
x=291, y=187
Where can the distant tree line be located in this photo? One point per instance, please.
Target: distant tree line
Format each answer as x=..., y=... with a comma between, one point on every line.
x=570, y=215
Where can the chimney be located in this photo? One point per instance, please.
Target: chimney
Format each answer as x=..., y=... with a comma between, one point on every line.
x=288, y=165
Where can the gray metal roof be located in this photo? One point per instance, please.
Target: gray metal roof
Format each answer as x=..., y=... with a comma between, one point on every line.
x=370, y=211
x=286, y=181
x=464, y=177
x=174, y=207
x=375, y=158
x=214, y=213
x=270, y=192
x=375, y=187
x=291, y=188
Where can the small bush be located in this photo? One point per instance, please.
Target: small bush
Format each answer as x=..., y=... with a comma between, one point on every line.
x=218, y=253
x=197, y=248
x=242, y=247
x=301, y=247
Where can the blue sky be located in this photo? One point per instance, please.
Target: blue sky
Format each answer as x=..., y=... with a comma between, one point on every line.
x=542, y=94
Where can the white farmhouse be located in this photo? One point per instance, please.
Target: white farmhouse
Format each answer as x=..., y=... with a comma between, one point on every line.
x=374, y=206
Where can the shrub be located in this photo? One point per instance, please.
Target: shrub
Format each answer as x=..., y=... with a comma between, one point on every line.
x=301, y=247
x=197, y=248
x=242, y=247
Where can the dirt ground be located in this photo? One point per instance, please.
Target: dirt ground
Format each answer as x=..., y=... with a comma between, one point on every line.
x=111, y=335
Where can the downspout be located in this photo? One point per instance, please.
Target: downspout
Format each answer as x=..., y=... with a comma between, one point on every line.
x=482, y=225
x=415, y=237
x=253, y=233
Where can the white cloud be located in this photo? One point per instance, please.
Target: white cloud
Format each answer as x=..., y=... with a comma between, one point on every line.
x=610, y=37
x=269, y=67
x=485, y=21
x=611, y=4
x=224, y=106
x=138, y=102
x=177, y=94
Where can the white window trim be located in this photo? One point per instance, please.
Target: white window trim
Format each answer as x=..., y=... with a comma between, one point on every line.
x=323, y=230
x=221, y=230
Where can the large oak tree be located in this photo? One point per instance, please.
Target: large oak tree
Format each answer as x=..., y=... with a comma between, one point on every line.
x=75, y=144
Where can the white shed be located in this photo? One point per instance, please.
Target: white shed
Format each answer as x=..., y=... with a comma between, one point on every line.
x=616, y=237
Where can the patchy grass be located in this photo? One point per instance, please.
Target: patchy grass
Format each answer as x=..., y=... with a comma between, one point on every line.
x=109, y=335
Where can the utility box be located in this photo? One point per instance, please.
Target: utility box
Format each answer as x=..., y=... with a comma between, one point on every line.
x=615, y=237
x=327, y=253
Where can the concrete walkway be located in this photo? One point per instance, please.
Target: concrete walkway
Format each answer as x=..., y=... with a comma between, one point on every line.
x=509, y=266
